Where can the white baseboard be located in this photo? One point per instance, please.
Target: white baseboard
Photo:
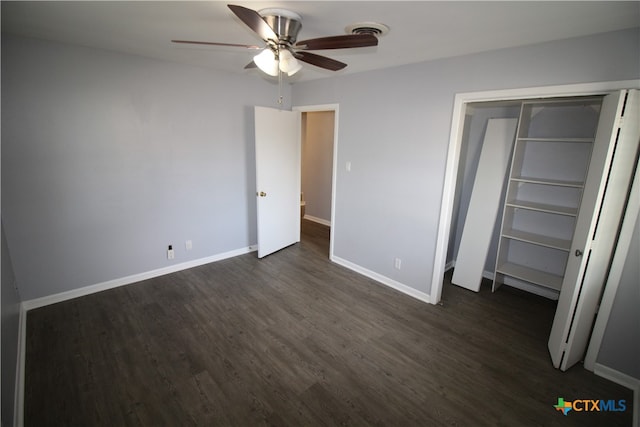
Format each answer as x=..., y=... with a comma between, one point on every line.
x=87, y=290
x=383, y=279
x=318, y=220
x=624, y=380
x=616, y=376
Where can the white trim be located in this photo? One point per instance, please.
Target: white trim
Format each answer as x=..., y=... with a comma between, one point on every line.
x=318, y=220
x=624, y=380
x=455, y=142
x=18, y=406
x=25, y=306
x=334, y=173
x=315, y=108
x=383, y=279
x=616, y=376
x=87, y=290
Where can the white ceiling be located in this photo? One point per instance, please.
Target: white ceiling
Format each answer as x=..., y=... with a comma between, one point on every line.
x=420, y=30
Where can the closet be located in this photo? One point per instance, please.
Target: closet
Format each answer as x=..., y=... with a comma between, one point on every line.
x=572, y=163
x=549, y=166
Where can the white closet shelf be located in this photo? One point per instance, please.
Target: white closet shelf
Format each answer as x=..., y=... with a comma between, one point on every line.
x=562, y=140
x=547, y=181
x=549, y=166
x=543, y=207
x=537, y=239
x=540, y=278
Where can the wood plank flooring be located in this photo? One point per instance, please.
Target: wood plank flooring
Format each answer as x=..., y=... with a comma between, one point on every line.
x=294, y=340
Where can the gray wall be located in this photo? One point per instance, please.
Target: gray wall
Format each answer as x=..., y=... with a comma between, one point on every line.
x=317, y=163
x=394, y=128
x=620, y=349
x=108, y=158
x=10, y=326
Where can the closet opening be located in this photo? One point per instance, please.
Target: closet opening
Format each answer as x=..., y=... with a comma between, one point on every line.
x=557, y=180
x=521, y=175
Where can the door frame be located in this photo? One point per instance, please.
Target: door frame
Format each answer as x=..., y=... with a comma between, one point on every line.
x=455, y=143
x=334, y=172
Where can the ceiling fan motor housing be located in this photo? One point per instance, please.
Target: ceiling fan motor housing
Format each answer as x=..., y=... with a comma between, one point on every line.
x=285, y=24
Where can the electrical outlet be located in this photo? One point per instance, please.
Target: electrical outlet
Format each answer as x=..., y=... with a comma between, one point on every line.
x=170, y=253
x=397, y=263
x=188, y=245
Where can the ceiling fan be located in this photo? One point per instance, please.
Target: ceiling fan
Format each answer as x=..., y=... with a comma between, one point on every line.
x=282, y=53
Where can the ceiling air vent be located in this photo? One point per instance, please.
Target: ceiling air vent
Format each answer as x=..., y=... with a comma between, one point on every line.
x=374, y=28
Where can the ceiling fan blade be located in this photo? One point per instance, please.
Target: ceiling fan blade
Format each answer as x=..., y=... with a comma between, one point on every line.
x=254, y=21
x=339, y=42
x=248, y=46
x=320, y=61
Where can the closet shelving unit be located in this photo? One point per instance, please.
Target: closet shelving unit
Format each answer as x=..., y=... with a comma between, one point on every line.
x=548, y=169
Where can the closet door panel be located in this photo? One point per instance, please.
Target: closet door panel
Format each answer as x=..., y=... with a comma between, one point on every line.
x=606, y=191
x=484, y=204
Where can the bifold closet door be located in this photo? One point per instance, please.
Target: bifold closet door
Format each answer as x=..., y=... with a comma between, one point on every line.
x=484, y=204
x=611, y=169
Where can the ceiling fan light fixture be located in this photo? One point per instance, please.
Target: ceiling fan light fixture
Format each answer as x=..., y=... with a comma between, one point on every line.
x=267, y=62
x=295, y=70
x=288, y=63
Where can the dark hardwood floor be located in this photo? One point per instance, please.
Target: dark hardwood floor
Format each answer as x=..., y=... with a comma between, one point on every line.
x=294, y=340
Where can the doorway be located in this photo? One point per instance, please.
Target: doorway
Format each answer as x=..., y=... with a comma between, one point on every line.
x=319, y=130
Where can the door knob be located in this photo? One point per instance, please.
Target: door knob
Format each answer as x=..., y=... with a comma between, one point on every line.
x=578, y=252
x=262, y=194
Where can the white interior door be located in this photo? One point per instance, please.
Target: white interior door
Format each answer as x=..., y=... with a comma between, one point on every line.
x=277, y=178
x=603, y=202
